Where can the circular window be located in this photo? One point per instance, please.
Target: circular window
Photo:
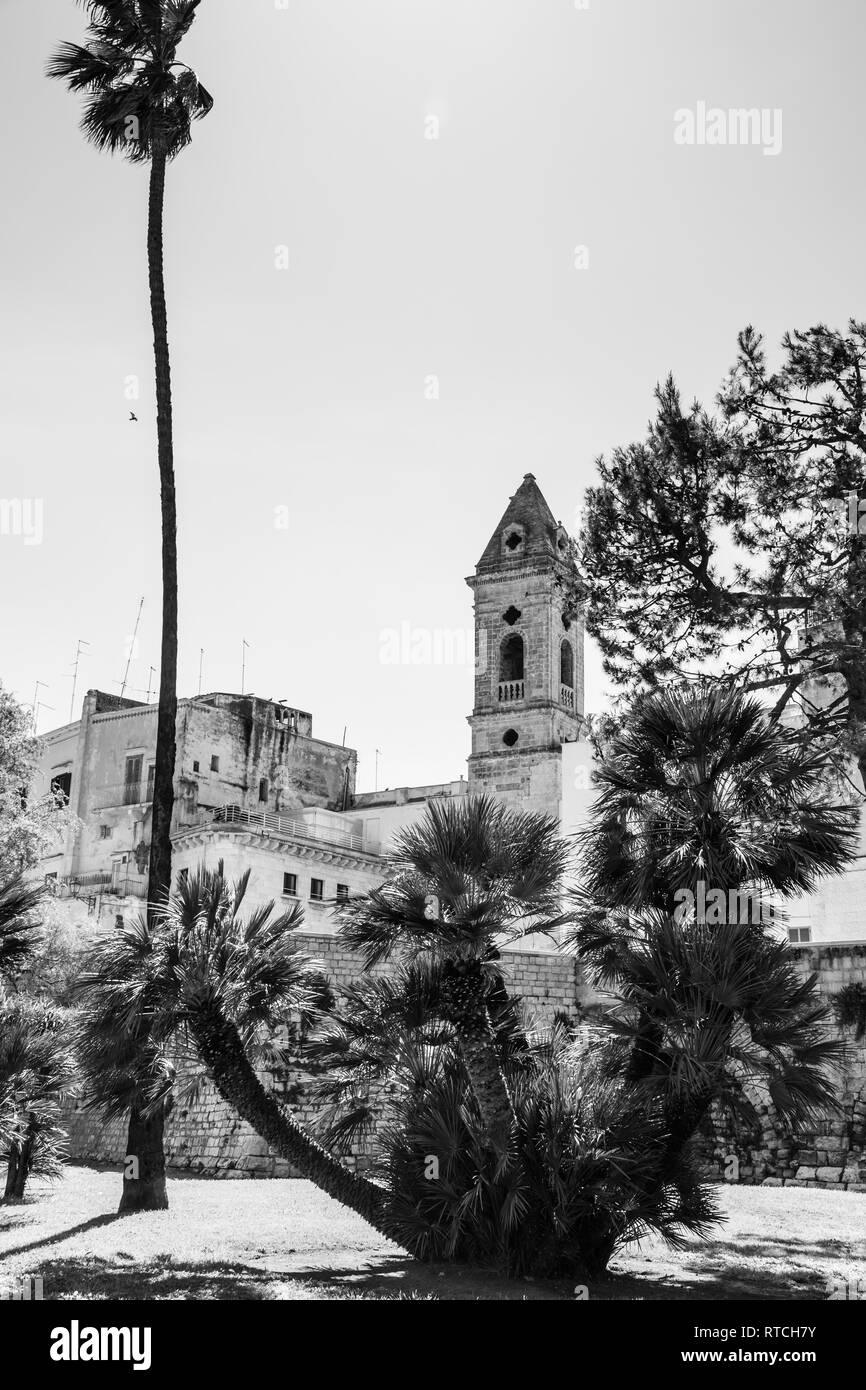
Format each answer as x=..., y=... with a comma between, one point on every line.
x=510, y=737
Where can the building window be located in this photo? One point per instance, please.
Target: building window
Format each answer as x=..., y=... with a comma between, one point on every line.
x=509, y=738
x=511, y=658
x=132, y=780
x=105, y=832
x=797, y=934
x=195, y=767
x=263, y=789
x=342, y=892
x=317, y=889
x=61, y=785
x=151, y=773
x=512, y=540
x=566, y=664
x=290, y=885
x=214, y=763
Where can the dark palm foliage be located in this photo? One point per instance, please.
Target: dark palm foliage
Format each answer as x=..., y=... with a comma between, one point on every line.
x=586, y=1172
x=37, y=1070
x=223, y=986
x=140, y=101
x=700, y=784
x=699, y=787
x=19, y=923
x=468, y=879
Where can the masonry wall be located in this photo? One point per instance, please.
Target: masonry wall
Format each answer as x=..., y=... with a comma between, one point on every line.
x=208, y=1136
x=831, y=1153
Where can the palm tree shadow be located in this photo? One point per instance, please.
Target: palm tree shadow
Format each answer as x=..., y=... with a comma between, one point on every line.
x=54, y=1236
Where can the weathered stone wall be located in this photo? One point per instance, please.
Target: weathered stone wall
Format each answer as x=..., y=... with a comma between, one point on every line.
x=208, y=1136
x=832, y=1153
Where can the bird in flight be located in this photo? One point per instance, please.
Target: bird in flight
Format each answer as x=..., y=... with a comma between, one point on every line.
x=133, y=417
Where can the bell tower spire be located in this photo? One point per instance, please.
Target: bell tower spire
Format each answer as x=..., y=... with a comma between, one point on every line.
x=529, y=657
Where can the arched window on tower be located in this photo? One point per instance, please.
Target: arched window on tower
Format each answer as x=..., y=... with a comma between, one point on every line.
x=511, y=668
x=566, y=674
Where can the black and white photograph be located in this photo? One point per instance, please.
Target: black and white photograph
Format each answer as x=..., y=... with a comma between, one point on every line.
x=432, y=675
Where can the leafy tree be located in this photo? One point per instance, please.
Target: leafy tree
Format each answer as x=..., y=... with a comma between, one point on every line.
x=140, y=101
x=208, y=979
x=466, y=880
x=721, y=545
x=29, y=822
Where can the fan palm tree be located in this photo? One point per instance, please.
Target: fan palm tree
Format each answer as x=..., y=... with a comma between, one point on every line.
x=700, y=790
x=36, y=1071
x=223, y=984
x=19, y=903
x=140, y=101
x=587, y=1157
x=700, y=785
x=468, y=879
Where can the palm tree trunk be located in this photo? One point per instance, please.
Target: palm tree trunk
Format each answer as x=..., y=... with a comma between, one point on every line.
x=223, y=1054
x=159, y=879
x=463, y=1000
x=144, y=1189
x=18, y=1169
x=147, y=1192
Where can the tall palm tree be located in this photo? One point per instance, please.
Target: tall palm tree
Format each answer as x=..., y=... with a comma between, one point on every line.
x=140, y=101
x=222, y=984
x=468, y=879
x=699, y=791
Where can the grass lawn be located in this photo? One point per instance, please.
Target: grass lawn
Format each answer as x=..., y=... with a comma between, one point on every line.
x=286, y=1240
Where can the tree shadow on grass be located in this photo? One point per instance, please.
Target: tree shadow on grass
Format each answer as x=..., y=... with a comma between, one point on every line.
x=390, y=1279
x=52, y=1237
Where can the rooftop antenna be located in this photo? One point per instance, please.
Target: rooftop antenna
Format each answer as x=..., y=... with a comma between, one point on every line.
x=78, y=653
x=36, y=695
x=200, y=663
x=38, y=705
x=131, y=648
x=376, y=777
x=151, y=674
x=244, y=649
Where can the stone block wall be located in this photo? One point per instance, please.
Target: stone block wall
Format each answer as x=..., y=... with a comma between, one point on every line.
x=208, y=1136
x=832, y=1152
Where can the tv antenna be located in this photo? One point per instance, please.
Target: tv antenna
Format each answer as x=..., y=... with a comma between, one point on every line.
x=78, y=654
x=131, y=648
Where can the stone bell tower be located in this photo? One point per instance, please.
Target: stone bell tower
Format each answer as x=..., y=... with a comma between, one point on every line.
x=529, y=657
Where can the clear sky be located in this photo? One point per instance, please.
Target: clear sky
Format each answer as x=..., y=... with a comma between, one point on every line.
x=307, y=388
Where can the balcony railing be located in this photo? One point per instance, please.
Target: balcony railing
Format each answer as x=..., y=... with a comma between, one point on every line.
x=89, y=885
x=566, y=696
x=510, y=690
x=123, y=794
x=290, y=825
